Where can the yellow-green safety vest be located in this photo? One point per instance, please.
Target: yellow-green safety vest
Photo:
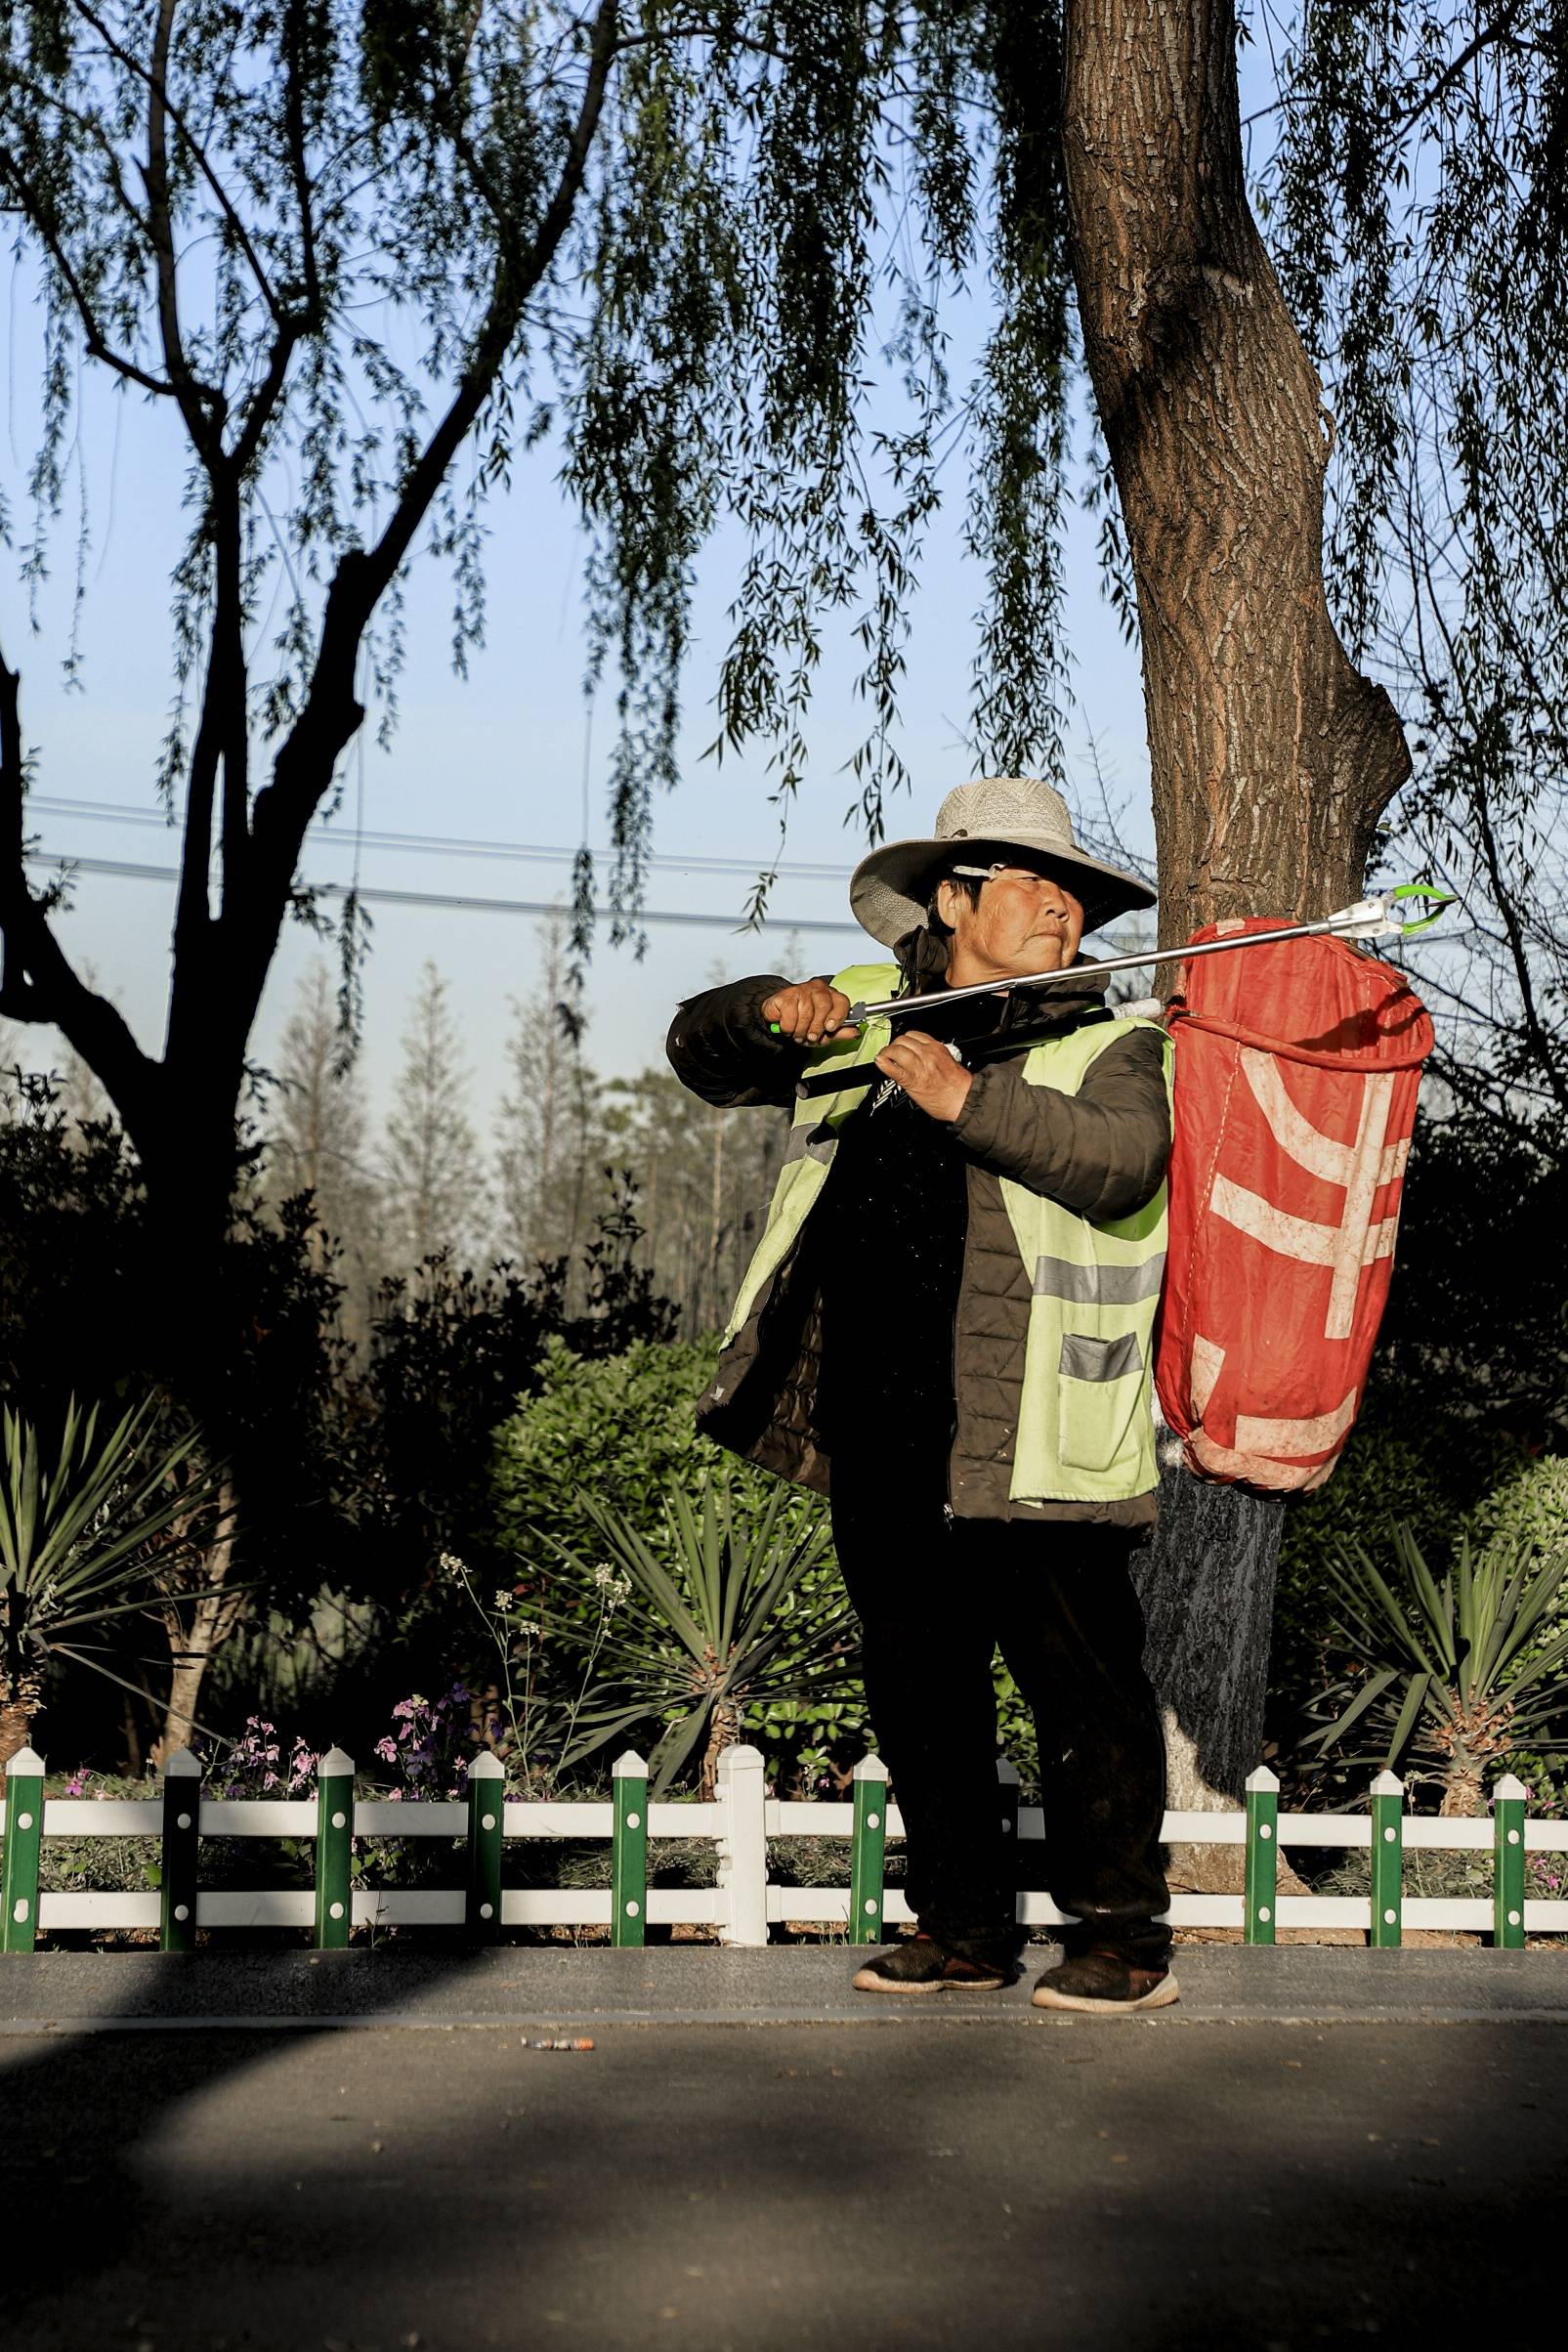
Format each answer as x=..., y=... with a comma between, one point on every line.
x=1085, y=1431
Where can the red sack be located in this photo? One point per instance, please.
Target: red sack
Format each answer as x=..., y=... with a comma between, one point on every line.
x=1297, y=1073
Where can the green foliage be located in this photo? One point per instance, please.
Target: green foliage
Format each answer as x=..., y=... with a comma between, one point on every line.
x=1016, y=1737
x=628, y=1418
x=712, y=1618
x=89, y=1306
x=1446, y=1680
x=1476, y=1338
x=89, y=1533
x=686, y=247
x=625, y=1418
x=1529, y=1506
x=1417, y=210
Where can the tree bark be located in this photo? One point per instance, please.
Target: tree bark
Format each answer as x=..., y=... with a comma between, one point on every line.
x=16, y=1711
x=1271, y=757
x=212, y=1616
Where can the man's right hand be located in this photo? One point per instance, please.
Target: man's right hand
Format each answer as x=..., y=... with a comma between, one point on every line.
x=808, y=1012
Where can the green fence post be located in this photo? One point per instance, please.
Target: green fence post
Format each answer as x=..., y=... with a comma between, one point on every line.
x=1262, y=1854
x=1508, y=1863
x=628, y=1859
x=24, y=1829
x=867, y=1849
x=1387, y=1860
x=334, y=1850
x=182, y=1820
x=486, y=1799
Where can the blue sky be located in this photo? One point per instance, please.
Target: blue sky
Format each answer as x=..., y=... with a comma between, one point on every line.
x=500, y=756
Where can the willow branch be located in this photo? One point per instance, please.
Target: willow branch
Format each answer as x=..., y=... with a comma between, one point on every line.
x=1486, y=38
x=284, y=807
x=96, y=343
x=157, y=87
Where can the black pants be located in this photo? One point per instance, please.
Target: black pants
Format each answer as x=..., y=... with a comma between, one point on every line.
x=935, y=1599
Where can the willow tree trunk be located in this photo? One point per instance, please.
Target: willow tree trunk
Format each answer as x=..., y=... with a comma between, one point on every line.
x=1272, y=757
x=199, y=1623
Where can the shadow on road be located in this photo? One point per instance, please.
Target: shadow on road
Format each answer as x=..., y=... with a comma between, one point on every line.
x=1072, y=2183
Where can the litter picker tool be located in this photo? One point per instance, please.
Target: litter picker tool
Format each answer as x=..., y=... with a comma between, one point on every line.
x=1370, y=918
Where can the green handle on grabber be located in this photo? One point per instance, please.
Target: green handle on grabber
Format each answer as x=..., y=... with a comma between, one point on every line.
x=775, y=1030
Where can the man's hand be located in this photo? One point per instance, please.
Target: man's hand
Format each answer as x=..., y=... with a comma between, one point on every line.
x=927, y=1073
x=808, y=1012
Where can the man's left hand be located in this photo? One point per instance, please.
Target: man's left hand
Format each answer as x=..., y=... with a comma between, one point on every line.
x=927, y=1073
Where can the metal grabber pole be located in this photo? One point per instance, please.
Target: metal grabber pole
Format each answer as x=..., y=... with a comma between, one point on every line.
x=1367, y=919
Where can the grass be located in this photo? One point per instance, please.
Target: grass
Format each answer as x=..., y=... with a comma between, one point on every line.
x=1454, y=1877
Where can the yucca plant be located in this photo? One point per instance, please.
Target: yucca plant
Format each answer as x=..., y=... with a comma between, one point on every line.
x=76, y=1526
x=1448, y=1677
x=696, y=1626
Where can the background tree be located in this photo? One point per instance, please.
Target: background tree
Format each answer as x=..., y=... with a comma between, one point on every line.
x=704, y=1178
x=550, y=1151
x=432, y=1187
x=1416, y=154
x=317, y=1123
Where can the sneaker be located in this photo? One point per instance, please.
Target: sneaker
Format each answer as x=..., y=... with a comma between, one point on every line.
x=920, y=1964
x=1106, y=1984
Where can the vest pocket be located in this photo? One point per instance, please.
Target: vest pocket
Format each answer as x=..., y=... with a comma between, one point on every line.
x=1099, y=1384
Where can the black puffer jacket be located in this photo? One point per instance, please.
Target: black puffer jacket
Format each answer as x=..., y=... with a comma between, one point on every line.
x=1100, y=1154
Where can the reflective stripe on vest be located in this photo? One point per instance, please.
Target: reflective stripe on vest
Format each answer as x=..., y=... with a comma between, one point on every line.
x=1086, y=1420
x=1097, y=1285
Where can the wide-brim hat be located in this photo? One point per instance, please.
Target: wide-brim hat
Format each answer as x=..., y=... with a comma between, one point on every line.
x=978, y=823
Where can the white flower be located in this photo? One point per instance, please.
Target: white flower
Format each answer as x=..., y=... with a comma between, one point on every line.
x=452, y=1567
x=526, y=1625
x=503, y=1599
x=615, y=1589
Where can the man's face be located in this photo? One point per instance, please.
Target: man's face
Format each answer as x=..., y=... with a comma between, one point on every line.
x=1027, y=920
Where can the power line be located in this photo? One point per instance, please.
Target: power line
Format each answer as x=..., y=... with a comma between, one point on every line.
x=462, y=904
x=115, y=812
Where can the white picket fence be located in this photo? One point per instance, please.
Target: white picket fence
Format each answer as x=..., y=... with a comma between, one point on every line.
x=741, y=1821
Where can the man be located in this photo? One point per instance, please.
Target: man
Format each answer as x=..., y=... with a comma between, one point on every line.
x=947, y=1328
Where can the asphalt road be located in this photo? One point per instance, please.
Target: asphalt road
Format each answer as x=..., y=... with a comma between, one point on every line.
x=1390, y=2167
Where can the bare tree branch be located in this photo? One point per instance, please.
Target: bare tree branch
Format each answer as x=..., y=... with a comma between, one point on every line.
x=202, y=406
x=40, y=984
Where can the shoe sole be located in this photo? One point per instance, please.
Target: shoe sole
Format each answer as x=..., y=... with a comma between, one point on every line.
x=1162, y=1996
x=863, y=1981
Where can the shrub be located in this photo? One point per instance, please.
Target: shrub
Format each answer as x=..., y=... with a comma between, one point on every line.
x=1434, y=1478
x=622, y=1425
x=1446, y=1680
x=621, y=1422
